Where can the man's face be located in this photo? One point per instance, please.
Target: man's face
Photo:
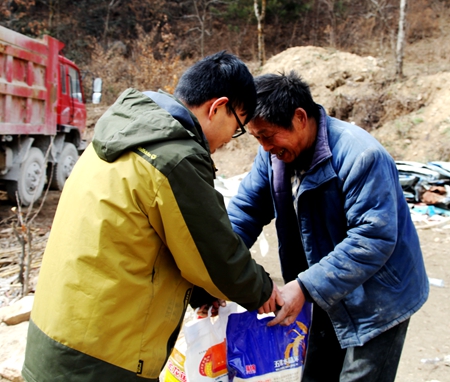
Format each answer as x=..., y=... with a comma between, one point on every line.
x=223, y=127
x=285, y=144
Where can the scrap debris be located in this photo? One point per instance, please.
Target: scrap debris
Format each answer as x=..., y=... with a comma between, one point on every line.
x=426, y=187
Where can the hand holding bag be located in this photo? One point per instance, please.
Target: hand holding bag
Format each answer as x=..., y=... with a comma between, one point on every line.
x=257, y=352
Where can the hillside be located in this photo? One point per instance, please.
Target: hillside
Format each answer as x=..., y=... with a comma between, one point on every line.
x=410, y=117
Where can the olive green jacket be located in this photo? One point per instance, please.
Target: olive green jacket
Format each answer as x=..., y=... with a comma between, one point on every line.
x=138, y=224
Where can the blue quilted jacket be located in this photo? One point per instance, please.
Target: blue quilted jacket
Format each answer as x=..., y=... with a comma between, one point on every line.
x=353, y=227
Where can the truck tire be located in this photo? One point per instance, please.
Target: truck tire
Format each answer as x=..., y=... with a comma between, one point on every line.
x=62, y=169
x=31, y=181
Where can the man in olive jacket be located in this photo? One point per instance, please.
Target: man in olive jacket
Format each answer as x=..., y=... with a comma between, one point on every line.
x=139, y=223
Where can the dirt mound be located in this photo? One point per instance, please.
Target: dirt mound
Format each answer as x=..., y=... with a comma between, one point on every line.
x=329, y=72
x=409, y=117
x=424, y=133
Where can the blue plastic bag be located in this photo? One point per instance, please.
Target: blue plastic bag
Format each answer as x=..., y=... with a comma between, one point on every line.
x=258, y=353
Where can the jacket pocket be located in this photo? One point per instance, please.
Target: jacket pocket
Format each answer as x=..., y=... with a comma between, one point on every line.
x=388, y=277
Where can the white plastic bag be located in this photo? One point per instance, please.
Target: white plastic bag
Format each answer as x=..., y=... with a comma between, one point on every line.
x=206, y=347
x=174, y=369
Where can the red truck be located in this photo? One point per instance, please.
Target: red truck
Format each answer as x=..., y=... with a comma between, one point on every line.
x=42, y=115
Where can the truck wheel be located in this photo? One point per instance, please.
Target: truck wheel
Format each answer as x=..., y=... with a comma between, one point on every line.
x=31, y=179
x=62, y=169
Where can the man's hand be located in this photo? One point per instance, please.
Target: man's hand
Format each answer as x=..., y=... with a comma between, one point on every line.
x=273, y=303
x=294, y=299
x=202, y=312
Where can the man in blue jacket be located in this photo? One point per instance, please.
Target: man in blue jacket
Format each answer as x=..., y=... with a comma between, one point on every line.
x=346, y=239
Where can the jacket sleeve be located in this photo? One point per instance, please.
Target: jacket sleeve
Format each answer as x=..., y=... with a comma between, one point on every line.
x=200, y=237
x=368, y=183
x=252, y=207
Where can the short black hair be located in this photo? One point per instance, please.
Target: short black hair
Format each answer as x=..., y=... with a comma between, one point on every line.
x=219, y=75
x=278, y=95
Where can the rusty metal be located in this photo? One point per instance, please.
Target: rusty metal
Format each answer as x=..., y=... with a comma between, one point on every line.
x=31, y=101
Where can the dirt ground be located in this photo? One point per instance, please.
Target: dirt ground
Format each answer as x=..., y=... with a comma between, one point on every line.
x=410, y=117
x=428, y=338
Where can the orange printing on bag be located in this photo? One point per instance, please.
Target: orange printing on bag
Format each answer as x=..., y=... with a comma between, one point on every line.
x=175, y=367
x=294, y=345
x=214, y=362
x=174, y=372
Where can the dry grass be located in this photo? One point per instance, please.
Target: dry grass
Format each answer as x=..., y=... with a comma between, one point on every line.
x=138, y=68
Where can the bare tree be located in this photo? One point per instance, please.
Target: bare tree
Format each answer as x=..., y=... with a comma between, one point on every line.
x=6, y=12
x=53, y=15
x=202, y=12
x=260, y=15
x=111, y=5
x=12, y=11
x=23, y=229
x=331, y=28
x=382, y=10
x=400, y=40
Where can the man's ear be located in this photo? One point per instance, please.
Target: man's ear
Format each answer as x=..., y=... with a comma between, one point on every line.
x=301, y=116
x=222, y=101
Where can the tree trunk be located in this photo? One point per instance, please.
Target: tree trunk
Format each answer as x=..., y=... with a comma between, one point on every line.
x=400, y=40
x=331, y=29
x=201, y=20
x=260, y=18
x=50, y=15
x=111, y=5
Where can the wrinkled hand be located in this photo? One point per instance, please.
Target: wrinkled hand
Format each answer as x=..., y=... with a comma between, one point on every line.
x=293, y=303
x=202, y=312
x=273, y=303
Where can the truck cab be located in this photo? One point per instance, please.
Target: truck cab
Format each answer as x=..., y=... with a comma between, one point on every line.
x=71, y=110
x=70, y=124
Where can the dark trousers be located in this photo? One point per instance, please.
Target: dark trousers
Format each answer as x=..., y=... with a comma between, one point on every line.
x=375, y=361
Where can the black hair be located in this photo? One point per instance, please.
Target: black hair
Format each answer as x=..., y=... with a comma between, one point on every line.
x=219, y=75
x=278, y=95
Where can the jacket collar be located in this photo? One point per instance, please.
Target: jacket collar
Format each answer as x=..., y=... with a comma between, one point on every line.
x=179, y=112
x=322, y=148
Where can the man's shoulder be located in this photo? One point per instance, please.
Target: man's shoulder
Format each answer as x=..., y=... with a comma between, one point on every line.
x=168, y=155
x=347, y=135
